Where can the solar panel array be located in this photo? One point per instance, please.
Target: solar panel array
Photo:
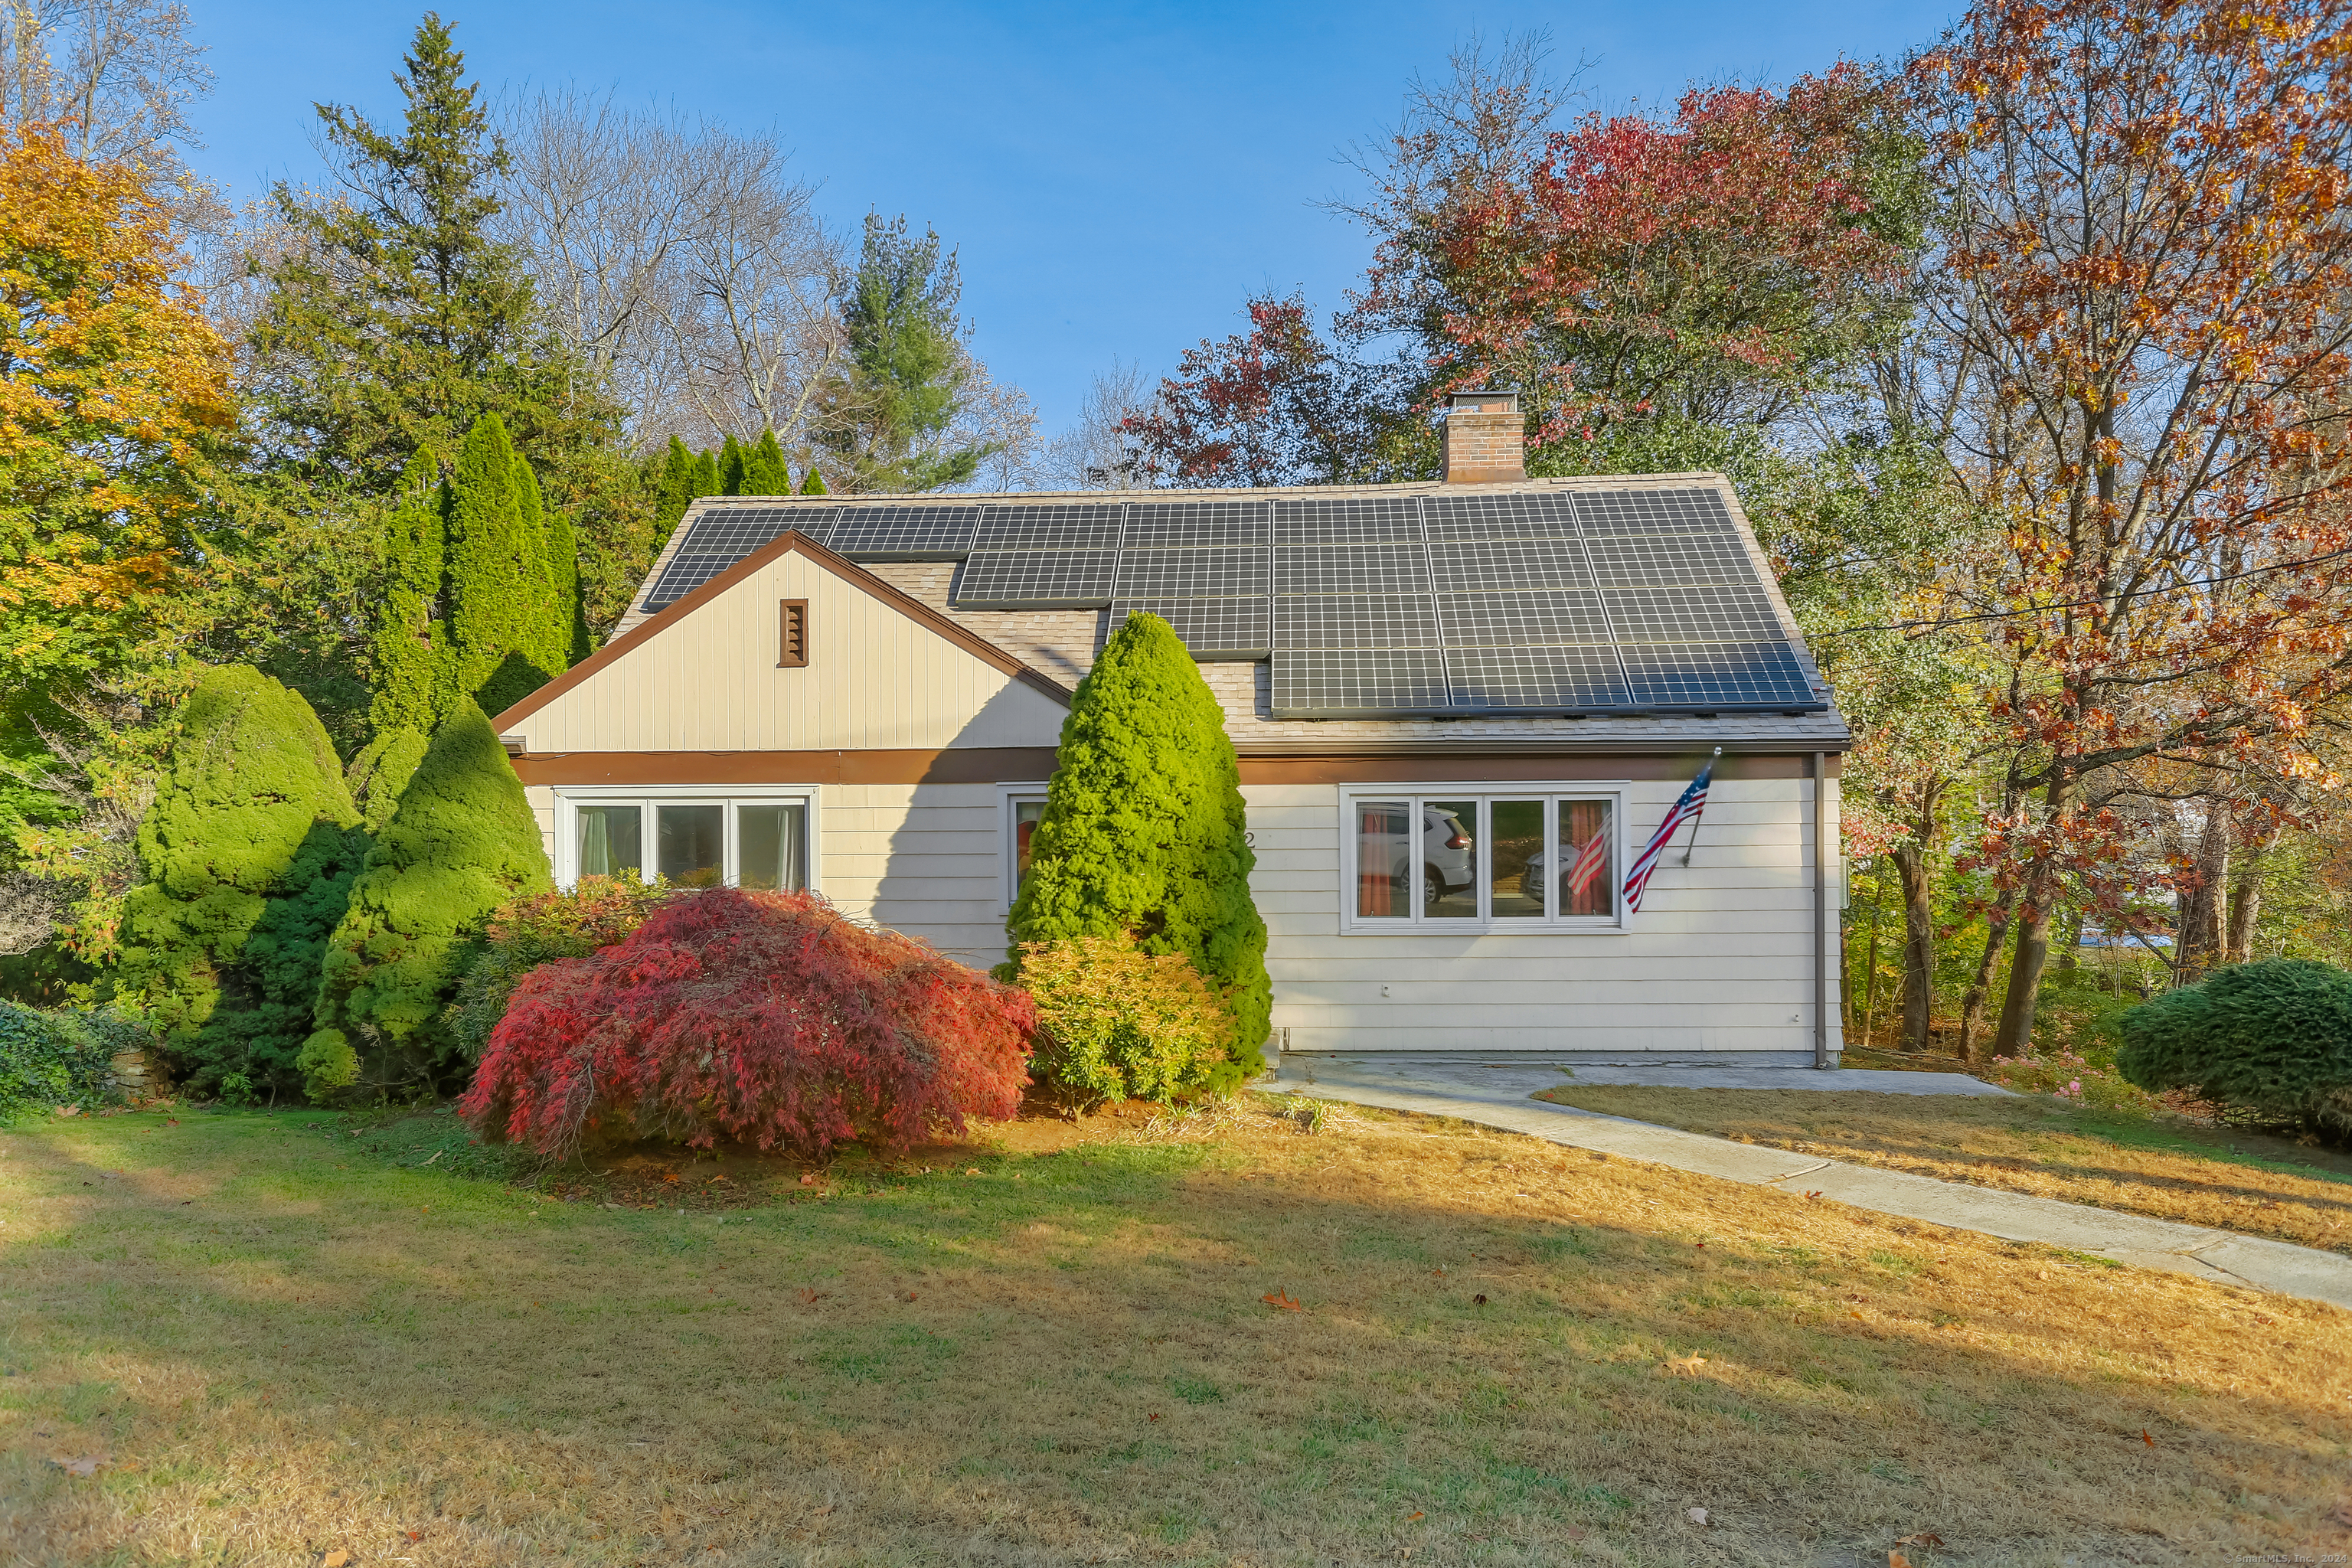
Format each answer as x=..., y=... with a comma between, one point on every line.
x=1583, y=601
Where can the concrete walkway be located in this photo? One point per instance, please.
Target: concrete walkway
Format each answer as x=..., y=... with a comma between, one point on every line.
x=1498, y=1096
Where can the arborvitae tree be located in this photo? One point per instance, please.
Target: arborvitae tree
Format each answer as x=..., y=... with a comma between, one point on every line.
x=765, y=472
x=815, y=484
x=675, y=488
x=249, y=853
x=1143, y=831
x=706, y=479
x=496, y=568
x=411, y=653
x=462, y=842
x=730, y=467
x=555, y=570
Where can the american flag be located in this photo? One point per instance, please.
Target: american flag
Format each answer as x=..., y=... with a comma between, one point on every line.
x=1591, y=862
x=1693, y=802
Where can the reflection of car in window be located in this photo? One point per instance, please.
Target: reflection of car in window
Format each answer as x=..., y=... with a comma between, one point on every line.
x=1447, y=862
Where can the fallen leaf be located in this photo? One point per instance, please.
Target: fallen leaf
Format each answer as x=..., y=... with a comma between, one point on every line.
x=809, y=1180
x=1413, y=1515
x=908, y=1296
x=415, y=1535
x=1698, y=1516
x=1155, y=1415
x=1283, y=1299
x=1856, y=1316
x=974, y=1172
x=2145, y=1438
x=826, y=1510
x=1688, y=1364
x=1814, y=1193
x=1896, y=1560
x=335, y=1559
x=84, y=1466
x=1480, y=1299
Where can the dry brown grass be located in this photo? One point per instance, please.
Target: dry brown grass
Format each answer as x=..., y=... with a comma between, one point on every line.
x=2230, y=1181
x=282, y=1347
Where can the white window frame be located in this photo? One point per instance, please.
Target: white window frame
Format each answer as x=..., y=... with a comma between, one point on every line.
x=568, y=798
x=1550, y=791
x=1009, y=796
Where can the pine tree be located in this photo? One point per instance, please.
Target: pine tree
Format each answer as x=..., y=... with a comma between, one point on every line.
x=497, y=607
x=462, y=842
x=813, y=484
x=249, y=854
x=400, y=320
x=765, y=473
x=1143, y=831
x=730, y=467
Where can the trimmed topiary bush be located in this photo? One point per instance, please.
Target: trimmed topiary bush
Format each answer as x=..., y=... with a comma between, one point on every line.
x=462, y=844
x=1117, y=1023
x=249, y=854
x=595, y=913
x=764, y=1018
x=1143, y=834
x=2272, y=1040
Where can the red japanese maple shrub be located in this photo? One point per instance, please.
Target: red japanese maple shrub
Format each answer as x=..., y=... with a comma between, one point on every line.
x=764, y=1018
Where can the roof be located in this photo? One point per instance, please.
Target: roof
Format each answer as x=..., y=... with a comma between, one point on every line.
x=1583, y=609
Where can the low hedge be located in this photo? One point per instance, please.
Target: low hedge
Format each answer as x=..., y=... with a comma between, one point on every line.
x=2269, y=1041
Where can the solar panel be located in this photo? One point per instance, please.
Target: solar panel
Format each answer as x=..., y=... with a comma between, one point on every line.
x=1662, y=559
x=1354, y=621
x=1195, y=525
x=1307, y=684
x=1034, y=579
x=1697, y=509
x=1351, y=520
x=1508, y=620
x=1553, y=679
x=1716, y=613
x=1719, y=675
x=1486, y=566
x=1511, y=515
x=720, y=537
x=1211, y=629
x=1191, y=574
x=1350, y=569
x=905, y=532
x=1053, y=526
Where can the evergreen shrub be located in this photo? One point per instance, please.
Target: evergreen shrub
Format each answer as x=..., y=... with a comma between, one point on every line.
x=764, y=1018
x=595, y=913
x=249, y=853
x=48, y=1059
x=461, y=844
x=1143, y=834
x=2269, y=1041
x=1117, y=1023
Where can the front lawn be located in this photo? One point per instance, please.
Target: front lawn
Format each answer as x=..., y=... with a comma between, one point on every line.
x=281, y=1341
x=2028, y=1143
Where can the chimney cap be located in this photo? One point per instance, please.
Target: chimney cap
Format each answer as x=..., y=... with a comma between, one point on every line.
x=1487, y=399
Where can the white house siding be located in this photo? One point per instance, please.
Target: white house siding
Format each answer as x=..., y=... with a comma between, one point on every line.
x=1720, y=957
x=925, y=860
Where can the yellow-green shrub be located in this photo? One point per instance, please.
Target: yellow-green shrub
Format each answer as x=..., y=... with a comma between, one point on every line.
x=1121, y=1023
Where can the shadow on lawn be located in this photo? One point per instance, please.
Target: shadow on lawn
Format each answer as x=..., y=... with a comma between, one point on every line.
x=1068, y=1357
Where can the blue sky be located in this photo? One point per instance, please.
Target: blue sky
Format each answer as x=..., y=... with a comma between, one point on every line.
x=1118, y=178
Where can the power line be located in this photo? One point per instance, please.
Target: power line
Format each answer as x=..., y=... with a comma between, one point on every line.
x=2208, y=583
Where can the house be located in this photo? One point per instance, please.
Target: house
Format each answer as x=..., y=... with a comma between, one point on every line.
x=1460, y=708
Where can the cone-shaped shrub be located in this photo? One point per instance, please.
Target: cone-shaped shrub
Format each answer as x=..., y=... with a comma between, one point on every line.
x=813, y=484
x=706, y=476
x=498, y=599
x=249, y=854
x=730, y=467
x=409, y=647
x=1143, y=832
x=2272, y=1040
x=461, y=843
x=764, y=1018
x=380, y=772
x=765, y=472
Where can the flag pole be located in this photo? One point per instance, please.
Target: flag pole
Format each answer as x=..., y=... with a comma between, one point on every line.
x=1698, y=816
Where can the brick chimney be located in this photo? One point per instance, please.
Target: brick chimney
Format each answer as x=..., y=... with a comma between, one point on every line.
x=1485, y=438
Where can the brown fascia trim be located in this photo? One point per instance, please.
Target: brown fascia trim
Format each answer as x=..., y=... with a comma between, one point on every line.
x=791, y=541
x=1438, y=750
x=1011, y=764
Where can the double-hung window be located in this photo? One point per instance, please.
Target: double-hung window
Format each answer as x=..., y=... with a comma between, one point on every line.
x=1499, y=859
x=1021, y=806
x=692, y=838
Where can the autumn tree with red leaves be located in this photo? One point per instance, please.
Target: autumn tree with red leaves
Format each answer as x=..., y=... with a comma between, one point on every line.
x=2143, y=268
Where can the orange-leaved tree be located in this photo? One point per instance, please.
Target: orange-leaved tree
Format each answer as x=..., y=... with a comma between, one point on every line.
x=2143, y=273
x=111, y=388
